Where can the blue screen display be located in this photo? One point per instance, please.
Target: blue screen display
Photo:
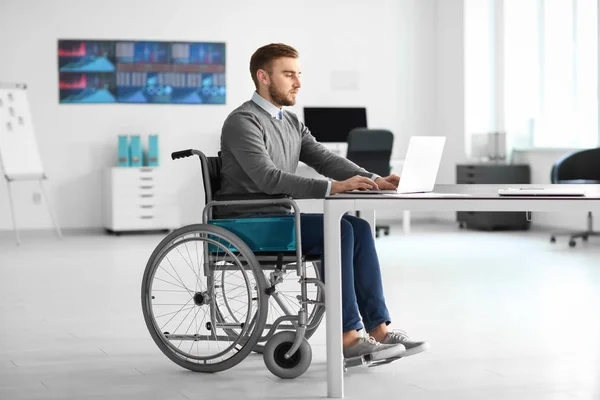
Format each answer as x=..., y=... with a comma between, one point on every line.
x=142, y=72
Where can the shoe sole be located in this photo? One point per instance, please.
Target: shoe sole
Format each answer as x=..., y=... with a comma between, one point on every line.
x=394, y=351
x=416, y=350
x=389, y=353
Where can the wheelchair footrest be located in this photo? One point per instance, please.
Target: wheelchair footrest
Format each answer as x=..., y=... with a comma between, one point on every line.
x=383, y=362
x=366, y=360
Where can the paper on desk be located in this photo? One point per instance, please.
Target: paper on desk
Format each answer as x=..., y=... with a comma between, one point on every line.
x=428, y=194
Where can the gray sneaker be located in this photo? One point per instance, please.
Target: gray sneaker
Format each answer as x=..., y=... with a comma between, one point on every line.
x=400, y=337
x=378, y=351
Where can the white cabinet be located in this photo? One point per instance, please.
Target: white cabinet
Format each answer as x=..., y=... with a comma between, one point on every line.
x=138, y=199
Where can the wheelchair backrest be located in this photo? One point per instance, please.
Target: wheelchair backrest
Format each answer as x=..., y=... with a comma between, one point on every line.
x=211, y=175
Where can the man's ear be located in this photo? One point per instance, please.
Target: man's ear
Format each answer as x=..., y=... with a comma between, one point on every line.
x=263, y=77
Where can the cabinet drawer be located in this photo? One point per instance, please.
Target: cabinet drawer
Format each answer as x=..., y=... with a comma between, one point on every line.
x=139, y=214
x=136, y=185
x=470, y=180
x=136, y=191
x=492, y=174
x=134, y=199
x=128, y=176
x=135, y=209
x=126, y=182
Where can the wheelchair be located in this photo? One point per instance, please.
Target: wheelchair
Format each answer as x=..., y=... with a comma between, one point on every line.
x=214, y=292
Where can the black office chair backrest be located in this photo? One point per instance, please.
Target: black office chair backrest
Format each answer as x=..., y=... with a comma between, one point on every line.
x=581, y=166
x=211, y=175
x=371, y=149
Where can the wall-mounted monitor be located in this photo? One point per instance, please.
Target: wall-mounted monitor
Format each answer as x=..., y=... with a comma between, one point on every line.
x=332, y=124
x=143, y=72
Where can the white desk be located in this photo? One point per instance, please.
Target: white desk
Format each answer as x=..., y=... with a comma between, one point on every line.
x=316, y=206
x=480, y=198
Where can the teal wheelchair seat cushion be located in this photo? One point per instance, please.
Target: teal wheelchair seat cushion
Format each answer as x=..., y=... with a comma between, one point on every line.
x=262, y=234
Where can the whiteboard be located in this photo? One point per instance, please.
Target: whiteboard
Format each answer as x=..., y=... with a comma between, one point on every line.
x=19, y=155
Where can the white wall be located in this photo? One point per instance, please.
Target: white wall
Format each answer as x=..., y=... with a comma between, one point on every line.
x=443, y=104
x=389, y=44
x=408, y=55
x=450, y=86
x=448, y=113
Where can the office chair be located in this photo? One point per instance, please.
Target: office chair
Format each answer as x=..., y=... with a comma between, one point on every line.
x=372, y=150
x=578, y=167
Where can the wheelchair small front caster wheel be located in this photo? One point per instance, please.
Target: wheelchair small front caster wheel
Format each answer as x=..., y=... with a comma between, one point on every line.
x=584, y=238
x=572, y=243
x=553, y=239
x=274, y=356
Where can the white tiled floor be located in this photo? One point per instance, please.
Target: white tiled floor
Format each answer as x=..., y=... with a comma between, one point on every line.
x=508, y=316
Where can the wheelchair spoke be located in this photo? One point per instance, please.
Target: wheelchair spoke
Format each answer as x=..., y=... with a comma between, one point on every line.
x=290, y=304
x=237, y=311
x=174, y=284
x=188, y=264
x=177, y=312
x=197, y=330
x=166, y=290
x=214, y=334
x=188, y=313
x=178, y=277
x=174, y=312
x=190, y=325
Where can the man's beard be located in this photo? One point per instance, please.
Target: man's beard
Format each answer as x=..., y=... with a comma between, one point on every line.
x=280, y=98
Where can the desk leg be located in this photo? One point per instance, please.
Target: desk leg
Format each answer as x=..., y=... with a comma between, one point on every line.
x=406, y=222
x=333, y=298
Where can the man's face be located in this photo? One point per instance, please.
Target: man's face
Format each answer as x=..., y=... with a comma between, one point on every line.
x=284, y=81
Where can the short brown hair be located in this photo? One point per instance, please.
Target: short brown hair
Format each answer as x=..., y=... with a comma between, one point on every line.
x=262, y=58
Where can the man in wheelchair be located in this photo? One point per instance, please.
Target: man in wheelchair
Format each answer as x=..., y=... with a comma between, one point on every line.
x=261, y=145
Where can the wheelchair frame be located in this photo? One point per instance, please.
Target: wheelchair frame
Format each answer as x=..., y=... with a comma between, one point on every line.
x=285, y=355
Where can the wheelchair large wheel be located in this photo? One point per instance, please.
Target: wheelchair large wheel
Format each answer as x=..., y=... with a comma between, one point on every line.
x=183, y=299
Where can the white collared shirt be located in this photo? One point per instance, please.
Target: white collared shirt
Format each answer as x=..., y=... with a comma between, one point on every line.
x=266, y=105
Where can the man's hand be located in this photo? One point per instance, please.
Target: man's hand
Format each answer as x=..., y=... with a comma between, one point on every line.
x=356, y=182
x=389, y=182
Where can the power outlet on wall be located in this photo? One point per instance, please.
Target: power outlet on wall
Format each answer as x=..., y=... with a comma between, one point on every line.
x=36, y=198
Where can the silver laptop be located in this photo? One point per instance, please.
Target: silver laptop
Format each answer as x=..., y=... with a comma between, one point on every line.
x=420, y=166
x=533, y=191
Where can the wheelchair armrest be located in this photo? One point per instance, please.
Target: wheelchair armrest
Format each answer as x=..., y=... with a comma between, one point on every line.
x=251, y=199
x=250, y=196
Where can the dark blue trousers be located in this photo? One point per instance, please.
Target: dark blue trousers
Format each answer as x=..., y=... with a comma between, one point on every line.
x=362, y=289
